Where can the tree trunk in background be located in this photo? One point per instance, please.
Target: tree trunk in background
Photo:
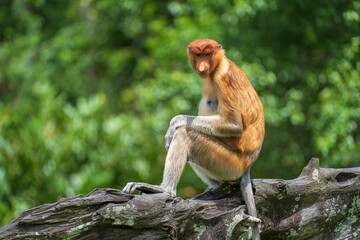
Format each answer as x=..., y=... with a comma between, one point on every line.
x=320, y=204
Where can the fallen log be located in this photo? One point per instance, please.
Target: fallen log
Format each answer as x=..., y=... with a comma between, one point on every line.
x=321, y=203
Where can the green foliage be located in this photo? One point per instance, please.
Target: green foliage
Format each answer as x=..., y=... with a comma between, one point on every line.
x=87, y=88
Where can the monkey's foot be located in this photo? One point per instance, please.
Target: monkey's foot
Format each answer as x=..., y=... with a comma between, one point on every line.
x=143, y=187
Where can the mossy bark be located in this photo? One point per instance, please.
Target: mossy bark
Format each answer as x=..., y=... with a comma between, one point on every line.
x=319, y=204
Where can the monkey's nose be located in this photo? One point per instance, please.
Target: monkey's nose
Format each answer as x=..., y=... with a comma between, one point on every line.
x=202, y=67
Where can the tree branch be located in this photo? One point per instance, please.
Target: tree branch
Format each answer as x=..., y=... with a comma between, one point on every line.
x=320, y=204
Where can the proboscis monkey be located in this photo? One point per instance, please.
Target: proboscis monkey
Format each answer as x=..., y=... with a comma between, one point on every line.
x=222, y=143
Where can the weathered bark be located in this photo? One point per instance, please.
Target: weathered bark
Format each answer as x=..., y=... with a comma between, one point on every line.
x=320, y=204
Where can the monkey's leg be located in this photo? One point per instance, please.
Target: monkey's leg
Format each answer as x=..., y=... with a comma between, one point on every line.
x=176, y=159
x=217, y=161
x=247, y=193
x=174, y=166
x=212, y=158
x=213, y=183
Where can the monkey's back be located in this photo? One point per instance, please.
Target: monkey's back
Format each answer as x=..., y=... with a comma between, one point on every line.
x=242, y=100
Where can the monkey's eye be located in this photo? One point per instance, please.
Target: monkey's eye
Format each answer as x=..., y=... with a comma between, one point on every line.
x=197, y=54
x=208, y=54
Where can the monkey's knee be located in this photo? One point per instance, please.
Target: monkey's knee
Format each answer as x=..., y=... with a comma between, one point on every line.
x=179, y=141
x=174, y=136
x=180, y=134
x=181, y=131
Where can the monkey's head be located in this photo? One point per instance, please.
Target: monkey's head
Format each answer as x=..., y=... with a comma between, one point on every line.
x=205, y=55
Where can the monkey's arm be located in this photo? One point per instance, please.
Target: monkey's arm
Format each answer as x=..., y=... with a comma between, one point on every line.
x=213, y=125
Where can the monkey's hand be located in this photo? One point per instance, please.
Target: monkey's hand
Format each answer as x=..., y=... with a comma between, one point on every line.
x=143, y=187
x=168, y=138
x=175, y=123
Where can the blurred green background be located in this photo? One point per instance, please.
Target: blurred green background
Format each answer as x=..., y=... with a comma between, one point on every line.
x=87, y=88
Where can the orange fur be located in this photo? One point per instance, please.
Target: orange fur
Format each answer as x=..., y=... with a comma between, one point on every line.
x=238, y=103
x=223, y=142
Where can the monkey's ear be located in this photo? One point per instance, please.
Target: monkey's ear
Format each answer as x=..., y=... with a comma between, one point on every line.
x=189, y=46
x=219, y=46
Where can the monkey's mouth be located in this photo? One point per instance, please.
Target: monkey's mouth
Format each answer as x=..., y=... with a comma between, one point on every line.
x=203, y=73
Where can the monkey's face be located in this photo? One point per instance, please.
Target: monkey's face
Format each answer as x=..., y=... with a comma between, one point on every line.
x=202, y=55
